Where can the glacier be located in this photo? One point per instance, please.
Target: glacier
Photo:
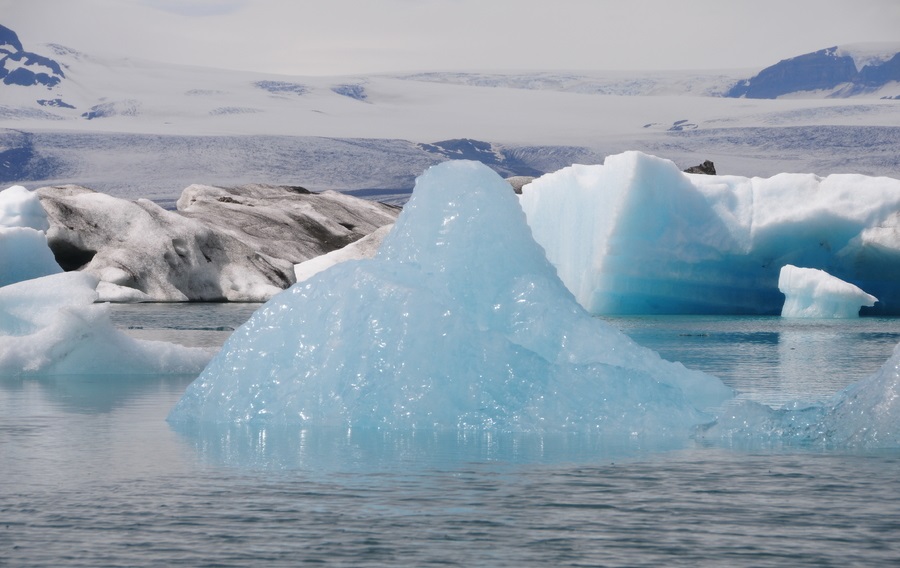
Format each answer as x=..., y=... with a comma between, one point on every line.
x=811, y=293
x=458, y=322
x=24, y=253
x=638, y=236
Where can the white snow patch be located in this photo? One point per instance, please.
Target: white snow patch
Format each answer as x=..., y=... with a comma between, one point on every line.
x=869, y=53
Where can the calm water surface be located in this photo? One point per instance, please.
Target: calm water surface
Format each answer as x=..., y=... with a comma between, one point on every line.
x=92, y=475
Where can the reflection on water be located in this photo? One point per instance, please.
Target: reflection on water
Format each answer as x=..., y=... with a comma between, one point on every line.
x=193, y=324
x=93, y=475
x=112, y=485
x=92, y=394
x=771, y=360
x=329, y=450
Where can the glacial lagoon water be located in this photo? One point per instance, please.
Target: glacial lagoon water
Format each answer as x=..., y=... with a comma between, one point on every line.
x=91, y=473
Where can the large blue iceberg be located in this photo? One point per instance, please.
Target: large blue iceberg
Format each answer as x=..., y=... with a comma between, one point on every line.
x=458, y=322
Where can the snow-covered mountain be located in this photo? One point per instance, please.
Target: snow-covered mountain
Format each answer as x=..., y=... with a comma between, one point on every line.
x=23, y=68
x=136, y=128
x=840, y=71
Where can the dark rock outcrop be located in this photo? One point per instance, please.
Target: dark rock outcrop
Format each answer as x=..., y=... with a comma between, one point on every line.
x=518, y=182
x=23, y=68
x=494, y=156
x=707, y=167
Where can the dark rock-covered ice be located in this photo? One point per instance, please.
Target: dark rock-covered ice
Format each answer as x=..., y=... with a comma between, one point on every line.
x=236, y=244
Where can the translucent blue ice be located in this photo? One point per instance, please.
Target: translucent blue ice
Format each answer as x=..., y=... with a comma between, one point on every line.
x=459, y=322
x=636, y=235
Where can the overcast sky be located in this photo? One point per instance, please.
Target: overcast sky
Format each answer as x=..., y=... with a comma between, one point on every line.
x=329, y=37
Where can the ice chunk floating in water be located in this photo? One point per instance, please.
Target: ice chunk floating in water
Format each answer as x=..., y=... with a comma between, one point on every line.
x=458, y=322
x=812, y=293
x=51, y=326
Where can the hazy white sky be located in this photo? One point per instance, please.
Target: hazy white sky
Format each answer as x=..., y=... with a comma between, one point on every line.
x=325, y=37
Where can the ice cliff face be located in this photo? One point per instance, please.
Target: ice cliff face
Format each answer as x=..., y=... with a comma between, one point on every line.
x=636, y=235
x=283, y=221
x=237, y=244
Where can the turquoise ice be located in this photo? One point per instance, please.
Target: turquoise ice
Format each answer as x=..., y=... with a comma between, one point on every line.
x=458, y=322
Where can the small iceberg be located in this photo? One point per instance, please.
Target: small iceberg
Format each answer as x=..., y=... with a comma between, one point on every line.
x=52, y=326
x=812, y=293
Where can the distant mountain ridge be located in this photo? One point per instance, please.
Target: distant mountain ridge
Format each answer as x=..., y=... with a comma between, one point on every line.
x=24, y=68
x=843, y=71
x=138, y=128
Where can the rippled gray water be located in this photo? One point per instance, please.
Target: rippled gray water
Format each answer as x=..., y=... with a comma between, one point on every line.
x=92, y=475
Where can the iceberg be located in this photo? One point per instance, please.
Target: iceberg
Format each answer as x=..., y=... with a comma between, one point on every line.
x=237, y=244
x=459, y=322
x=812, y=293
x=24, y=253
x=49, y=321
x=638, y=236
x=51, y=326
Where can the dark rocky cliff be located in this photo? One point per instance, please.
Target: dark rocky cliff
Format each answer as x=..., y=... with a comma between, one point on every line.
x=821, y=70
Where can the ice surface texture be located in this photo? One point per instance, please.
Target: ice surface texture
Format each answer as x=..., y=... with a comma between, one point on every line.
x=236, y=244
x=49, y=323
x=23, y=243
x=811, y=293
x=458, y=322
x=636, y=235
x=51, y=326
